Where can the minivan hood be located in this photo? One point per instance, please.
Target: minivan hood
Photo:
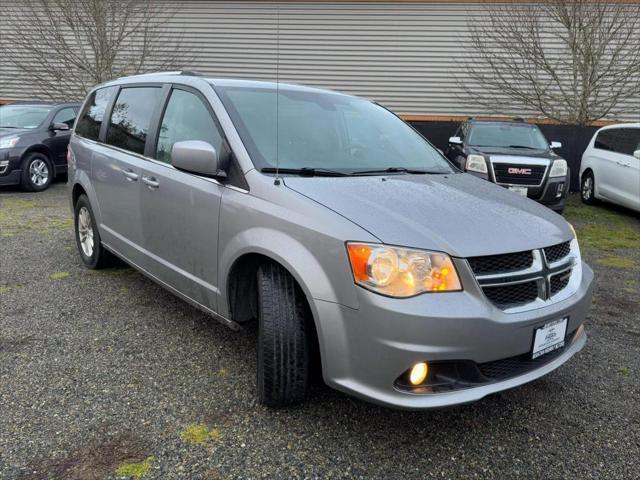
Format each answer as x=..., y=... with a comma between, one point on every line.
x=455, y=213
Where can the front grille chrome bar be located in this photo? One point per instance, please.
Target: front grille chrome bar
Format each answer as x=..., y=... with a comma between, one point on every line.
x=541, y=272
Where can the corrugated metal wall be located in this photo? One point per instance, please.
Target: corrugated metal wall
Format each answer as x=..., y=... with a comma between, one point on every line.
x=404, y=55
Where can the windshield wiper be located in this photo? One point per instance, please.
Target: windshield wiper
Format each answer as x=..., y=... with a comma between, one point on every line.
x=393, y=170
x=522, y=146
x=7, y=126
x=306, y=171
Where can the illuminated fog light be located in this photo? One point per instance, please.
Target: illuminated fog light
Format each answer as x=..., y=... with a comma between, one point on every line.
x=418, y=373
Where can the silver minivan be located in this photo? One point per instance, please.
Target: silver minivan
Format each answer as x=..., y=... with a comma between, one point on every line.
x=351, y=240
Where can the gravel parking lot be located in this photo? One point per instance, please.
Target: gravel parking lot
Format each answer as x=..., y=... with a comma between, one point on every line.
x=106, y=375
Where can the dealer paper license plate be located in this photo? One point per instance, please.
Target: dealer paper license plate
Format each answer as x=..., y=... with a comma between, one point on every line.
x=549, y=337
x=520, y=190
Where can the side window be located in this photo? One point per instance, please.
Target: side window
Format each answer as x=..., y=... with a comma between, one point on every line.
x=186, y=118
x=131, y=118
x=604, y=140
x=627, y=140
x=66, y=115
x=91, y=116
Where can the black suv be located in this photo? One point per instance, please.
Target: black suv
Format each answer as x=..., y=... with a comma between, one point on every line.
x=515, y=155
x=33, y=142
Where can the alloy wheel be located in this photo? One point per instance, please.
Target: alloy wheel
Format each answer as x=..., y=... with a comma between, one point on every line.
x=85, y=231
x=587, y=188
x=39, y=172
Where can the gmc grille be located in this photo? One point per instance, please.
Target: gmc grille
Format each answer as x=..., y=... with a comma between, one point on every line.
x=503, y=175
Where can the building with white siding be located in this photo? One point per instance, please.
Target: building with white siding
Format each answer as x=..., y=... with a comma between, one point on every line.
x=404, y=54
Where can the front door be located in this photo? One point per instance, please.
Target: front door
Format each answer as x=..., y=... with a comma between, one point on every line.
x=59, y=139
x=180, y=210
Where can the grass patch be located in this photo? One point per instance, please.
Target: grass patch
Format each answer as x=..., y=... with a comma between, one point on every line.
x=199, y=434
x=618, y=262
x=59, y=275
x=135, y=470
x=603, y=227
x=19, y=215
x=625, y=371
x=4, y=290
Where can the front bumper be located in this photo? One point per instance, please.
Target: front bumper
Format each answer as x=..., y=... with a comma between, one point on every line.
x=10, y=171
x=365, y=350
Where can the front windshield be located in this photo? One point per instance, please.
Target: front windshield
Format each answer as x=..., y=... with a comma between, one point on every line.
x=23, y=116
x=323, y=130
x=507, y=135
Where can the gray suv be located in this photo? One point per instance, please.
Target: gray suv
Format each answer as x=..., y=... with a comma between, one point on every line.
x=355, y=244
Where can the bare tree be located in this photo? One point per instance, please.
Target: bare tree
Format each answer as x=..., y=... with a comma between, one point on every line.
x=574, y=61
x=64, y=47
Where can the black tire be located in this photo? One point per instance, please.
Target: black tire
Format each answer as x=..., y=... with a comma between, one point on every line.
x=588, y=188
x=99, y=257
x=283, y=338
x=40, y=163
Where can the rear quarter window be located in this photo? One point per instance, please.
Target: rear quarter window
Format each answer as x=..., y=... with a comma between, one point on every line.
x=92, y=114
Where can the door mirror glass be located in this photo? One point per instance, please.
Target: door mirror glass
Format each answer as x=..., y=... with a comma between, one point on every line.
x=455, y=141
x=555, y=145
x=59, y=126
x=637, y=154
x=196, y=156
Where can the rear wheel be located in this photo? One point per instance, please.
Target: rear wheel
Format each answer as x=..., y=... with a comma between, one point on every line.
x=93, y=254
x=37, y=172
x=284, y=339
x=588, y=188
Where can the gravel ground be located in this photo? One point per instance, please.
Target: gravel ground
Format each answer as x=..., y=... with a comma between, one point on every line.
x=100, y=371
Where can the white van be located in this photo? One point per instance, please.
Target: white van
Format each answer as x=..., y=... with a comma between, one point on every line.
x=610, y=168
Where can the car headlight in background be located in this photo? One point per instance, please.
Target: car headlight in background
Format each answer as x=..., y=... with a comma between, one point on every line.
x=401, y=272
x=9, y=142
x=559, y=168
x=476, y=163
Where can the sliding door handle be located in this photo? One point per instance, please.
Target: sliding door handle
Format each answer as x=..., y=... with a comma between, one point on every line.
x=130, y=174
x=150, y=182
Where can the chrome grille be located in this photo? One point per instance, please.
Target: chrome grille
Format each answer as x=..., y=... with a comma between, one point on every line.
x=501, y=263
x=557, y=252
x=514, y=280
x=516, y=174
x=559, y=281
x=512, y=295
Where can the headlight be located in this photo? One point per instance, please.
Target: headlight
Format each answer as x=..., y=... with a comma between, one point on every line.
x=476, y=163
x=559, y=168
x=8, y=142
x=401, y=272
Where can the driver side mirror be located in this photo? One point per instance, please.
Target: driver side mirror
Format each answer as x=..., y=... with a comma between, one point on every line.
x=637, y=154
x=555, y=145
x=59, y=127
x=455, y=141
x=196, y=156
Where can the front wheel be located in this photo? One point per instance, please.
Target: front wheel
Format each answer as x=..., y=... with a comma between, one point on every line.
x=37, y=172
x=93, y=254
x=588, y=188
x=283, y=343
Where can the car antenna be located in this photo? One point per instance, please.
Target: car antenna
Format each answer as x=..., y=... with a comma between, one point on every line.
x=277, y=179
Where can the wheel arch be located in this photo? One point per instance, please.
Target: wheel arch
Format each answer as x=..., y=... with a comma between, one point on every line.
x=242, y=298
x=42, y=149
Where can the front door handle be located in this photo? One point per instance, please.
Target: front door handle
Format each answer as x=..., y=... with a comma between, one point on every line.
x=130, y=174
x=150, y=182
